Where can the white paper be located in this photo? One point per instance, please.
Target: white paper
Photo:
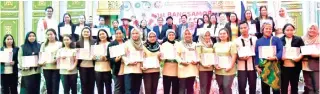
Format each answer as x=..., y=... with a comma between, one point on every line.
x=199, y=30
x=94, y=31
x=84, y=54
x=309, y=50
x=208, y=59
x=135, y=56
x=151, y=62
x=267, y=51
x=252, y=29
x=65, y=30
x=168, y=53
x=265, y=21
x=246, y=51
x=99, y=50
x=291, y=52
x=78, y=30
x=65, y=63
x=190, y=56
x=45, y=57
x=224, y=61
x=30, y=61
x=116, y=51
x=5, y=56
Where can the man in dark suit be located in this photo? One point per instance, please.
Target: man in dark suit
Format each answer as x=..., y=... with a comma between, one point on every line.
x=159, y=28
x=169, y=25
x=183, y=26
x=126, y=28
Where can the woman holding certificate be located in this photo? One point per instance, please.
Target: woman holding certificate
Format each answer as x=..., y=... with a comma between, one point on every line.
x=252, y=23
x=66, y=27
x=199, y=25
x=268, y=52
x=9, y=67
x=151, y=64
x=225, y=67
x=86, y=63
x=311, y=62
x=291, y=60
x=48, y=52
x=213, y=25
x=263, y=18
x=188, y=65
x=232, y=26
x=80, y=26
x=205, y=50
x=67, y=62
x=117, y=64
x=170, y=69
x=133, y=60
x=246, y=70
x=30, y=70
x=102, y=65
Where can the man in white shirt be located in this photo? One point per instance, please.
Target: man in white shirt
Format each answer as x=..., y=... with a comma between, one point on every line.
x=45, y=23
x=246, y=69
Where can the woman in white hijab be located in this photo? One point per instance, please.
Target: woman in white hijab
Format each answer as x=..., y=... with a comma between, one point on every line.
x=282, y=19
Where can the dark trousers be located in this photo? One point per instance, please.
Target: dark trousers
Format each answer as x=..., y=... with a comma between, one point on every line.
x=150, y=81
x=311, y=80
x=243, y=78
x=205, y=79
x=69, y=82
x=132, y=83
x=289, y=75
x=87, y=80
x=118, y=84
x=225, y=83
x=104, y=79
x=169, y=81
x=186, y=85
x=265, y=88
x=52, y=78
x=9, y=83
x=30, y=84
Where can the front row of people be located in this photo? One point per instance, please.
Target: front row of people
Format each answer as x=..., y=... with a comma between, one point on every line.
x=183, y=61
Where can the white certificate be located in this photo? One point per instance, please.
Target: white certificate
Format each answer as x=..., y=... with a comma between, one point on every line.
x=83, y=54
x=116, y=51
x=151, y=62
x=30, y=61
x=135, y=56
x=168, y=52
x=78, y=30
x=99, y=50
x=208, y=59
x=246, y=51
x=65, y=63
x=267, y=51
x=65, y=30
x=199, y=31
x=45, y=57
x=291, y=52
x=190, y=56
x=224, y=61
x=252, y=29
x=6, y=56
x=309, y=50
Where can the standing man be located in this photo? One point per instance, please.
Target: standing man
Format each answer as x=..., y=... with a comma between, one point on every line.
x=126, y=28
x=45, y=23
x=169, y=25
x=159, y=28
x=183, y=26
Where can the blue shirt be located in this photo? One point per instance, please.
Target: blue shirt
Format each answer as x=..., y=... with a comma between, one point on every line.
x=263, y=41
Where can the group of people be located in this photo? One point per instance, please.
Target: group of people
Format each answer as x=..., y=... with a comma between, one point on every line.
x=212, y=48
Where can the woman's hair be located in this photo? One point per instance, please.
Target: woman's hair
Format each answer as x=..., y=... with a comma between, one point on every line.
x=261, y=9
x=235, y=15
x=86, y=27
x=98, y=38
x=264, y=25
x=227, y=31
x=4, y=40
x=71, y=45
x=206, y=15
x=65, y=14
x=287, y=25
x=245, y=14
x=55, y=34
x=141, y=23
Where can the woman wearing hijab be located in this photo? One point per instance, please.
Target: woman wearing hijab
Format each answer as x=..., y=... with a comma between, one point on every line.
x=311, y=62
x=9, y=70
x=50, y=69
x=102, y=65
x=205, y=46
x=282, y=19
x=132, y=69
x=151, y=75
x=86, y=67
x=187, y=70
x=290, y=67
x=30, y=81
x=226, y=67
x=170, y=68
x=117, y=64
